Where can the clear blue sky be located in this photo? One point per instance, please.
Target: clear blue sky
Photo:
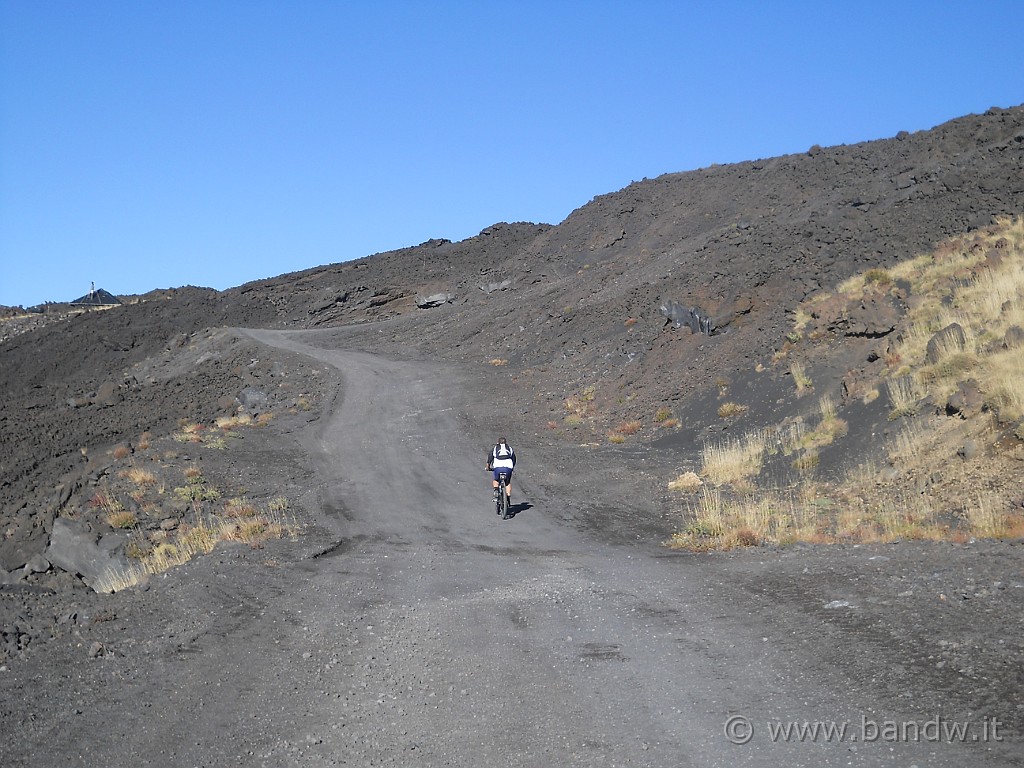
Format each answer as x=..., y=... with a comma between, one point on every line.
x=150, y=144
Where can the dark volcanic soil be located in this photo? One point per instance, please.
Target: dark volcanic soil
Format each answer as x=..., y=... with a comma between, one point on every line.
x=405, y=624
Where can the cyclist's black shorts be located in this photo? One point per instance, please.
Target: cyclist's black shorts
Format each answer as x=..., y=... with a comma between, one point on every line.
x=507, y=471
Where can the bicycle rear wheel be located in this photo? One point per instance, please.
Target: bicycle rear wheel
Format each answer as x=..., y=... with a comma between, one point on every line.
x=502, y=498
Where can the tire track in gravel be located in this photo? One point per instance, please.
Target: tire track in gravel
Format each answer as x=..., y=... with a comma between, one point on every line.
x=445, y=636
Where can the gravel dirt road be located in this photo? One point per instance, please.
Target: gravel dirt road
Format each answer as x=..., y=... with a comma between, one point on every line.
x=460, y=639
x=414, y=627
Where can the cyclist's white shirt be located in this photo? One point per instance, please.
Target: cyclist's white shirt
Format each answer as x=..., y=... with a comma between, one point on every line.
x=496, y=462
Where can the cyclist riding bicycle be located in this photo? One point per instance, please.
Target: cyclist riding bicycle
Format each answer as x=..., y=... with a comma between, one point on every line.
x=502, y=459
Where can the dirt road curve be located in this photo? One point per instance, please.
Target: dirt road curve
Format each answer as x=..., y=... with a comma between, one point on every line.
x=484, y=642
x=426, y=631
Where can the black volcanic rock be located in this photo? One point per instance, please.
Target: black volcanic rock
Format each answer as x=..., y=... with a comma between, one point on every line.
x=568, y=306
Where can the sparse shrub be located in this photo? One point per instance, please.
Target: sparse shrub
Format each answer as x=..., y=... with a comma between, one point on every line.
x=731, y=410
x=734, y=460
x=197, y=491
x=745, y=537
x=806, y=461
x=877, y=276
x=904, y=396
x=986, y=521
x=263, y=419
x=121, y=518
x=629, y=427
x=498, y=361
x=800, y=377
x=616, y=437
x=136, y=549
x=122, y=452
x=140, y=476
x=194, y=474
x=670, y=423
x=278, y=505
x=630, y=322
x=663, y=414
x=573, y=420
x=106, y=501
x=231, y=422
x=688, y=481
x=145, y=440
x=239, y=508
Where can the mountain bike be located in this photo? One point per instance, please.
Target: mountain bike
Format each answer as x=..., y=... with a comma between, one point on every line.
x=501, y=503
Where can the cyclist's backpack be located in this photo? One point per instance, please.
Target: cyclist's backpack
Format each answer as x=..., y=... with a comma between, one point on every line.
x=502, y=451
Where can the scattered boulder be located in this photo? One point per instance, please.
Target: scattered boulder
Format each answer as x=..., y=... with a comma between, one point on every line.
x=26, y=537
x=1013, y=338
x=697, y=319
x=79, y=550
x=37, y=564
x=492, y=287
x=968, y=450
x=434, y=300
x=107, y=395
x=252, y=398
x=872, y=317
x=967, y=401
x=950, y=338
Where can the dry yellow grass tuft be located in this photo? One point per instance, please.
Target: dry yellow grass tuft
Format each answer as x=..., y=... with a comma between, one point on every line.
x=731, y=410
x=734, y=460
x=629, y=427
x=905, y=396
x=977, y=283
x=122, y=518
x=200, y=537
x=688, y=481
x=232, y=422
x=141, y=477
x=800, y=377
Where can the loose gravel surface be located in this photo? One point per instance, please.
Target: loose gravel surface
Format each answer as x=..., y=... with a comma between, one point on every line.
x=411, y=626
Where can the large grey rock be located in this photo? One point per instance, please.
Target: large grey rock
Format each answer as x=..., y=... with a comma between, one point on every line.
x=492, y=287
x=252, y=398
x=949, y=339
x=698, y=320
x=37, y=564
x=107, y=394
x=1014, y=337
x=434, y=300
x=24, y=537
x=77, y=549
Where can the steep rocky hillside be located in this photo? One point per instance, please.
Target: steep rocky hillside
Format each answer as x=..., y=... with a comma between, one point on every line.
x=644, y=307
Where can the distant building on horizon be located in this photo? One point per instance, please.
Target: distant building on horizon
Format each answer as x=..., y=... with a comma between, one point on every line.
x=97, y=298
